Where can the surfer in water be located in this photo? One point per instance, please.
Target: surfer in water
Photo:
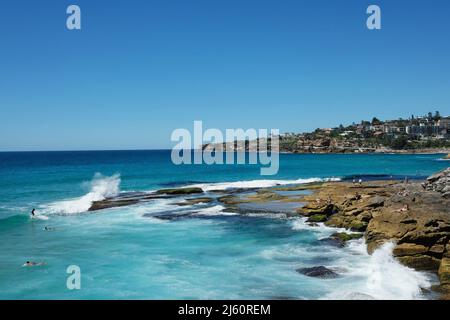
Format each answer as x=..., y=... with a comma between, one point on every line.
x=34, y=216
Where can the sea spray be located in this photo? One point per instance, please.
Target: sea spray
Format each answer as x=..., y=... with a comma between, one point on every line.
x=378, y=276
x=101, y=187
x=388, y=279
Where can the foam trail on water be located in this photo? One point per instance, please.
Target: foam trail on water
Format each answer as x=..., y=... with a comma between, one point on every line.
x=214, y=211
x=101, y=187
x=256, y=183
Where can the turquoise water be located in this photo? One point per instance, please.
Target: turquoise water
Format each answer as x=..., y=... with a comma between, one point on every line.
x=126, y=253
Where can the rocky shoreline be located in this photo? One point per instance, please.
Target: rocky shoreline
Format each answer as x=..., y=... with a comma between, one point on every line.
x=415, y=215
x=320, y=146
x=327, y=150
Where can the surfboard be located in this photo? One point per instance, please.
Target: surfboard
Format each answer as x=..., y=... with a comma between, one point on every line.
x=40, y=217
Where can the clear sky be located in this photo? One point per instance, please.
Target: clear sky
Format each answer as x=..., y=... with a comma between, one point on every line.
x=139, y=69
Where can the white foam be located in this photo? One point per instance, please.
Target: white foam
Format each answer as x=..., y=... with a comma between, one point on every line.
x=267, y=215
x=300, y=224
x=101, y=187
x=214, y=211
x=376, y=276
x=383, y=277
x=39, y=217
x=256, y=183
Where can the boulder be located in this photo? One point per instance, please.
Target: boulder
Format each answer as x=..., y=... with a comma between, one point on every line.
x=310, y=210
x=339, y=239
x=318, y=272
x=358, y=225
x=420, y=262
x=437, y=250
x=409, y=249
x=344, y=237
x=317, y=218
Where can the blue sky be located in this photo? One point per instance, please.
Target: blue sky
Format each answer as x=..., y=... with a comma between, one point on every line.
x=139, y=69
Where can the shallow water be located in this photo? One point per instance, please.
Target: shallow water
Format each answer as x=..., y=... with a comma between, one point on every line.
x=128, y=253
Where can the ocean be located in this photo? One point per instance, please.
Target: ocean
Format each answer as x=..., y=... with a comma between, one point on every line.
x=129, y=253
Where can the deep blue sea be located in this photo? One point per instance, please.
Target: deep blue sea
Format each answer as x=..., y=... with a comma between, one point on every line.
x=125, y=253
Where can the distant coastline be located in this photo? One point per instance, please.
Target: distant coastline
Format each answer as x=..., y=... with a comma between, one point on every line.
x=442, y=151
x=224, y=148
x=429, y=134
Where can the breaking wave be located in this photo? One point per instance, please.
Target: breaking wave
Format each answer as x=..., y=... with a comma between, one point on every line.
x=376, y=276
x=101, y=187
x=384, y=276
x=256, y=183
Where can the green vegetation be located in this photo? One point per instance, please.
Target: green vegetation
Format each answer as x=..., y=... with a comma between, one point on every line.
x=429, y=131
x=344, y=237
x=318, y=218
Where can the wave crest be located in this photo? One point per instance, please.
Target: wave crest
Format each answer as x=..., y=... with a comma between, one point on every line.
x=385, y=277
x=101, y=187
x=256, y=183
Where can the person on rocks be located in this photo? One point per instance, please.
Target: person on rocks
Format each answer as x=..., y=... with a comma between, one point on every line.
x=404, y=208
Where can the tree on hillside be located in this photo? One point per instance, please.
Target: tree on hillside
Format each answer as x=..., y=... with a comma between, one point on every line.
x=400, y=142
x=437, y=115
x=376, y=121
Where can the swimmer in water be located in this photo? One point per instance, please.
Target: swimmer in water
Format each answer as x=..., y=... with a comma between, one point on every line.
x=33, y=264
x=32, y=212
x=48, y=228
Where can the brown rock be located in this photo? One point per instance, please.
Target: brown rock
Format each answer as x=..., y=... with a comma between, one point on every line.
x=447, y=251
x=409, y=249
x=180, y=191
x=420, y=262
x=437, y=249
x=375, y=202
x=444, y=271
x=365, y=216
x=358, y=225
x=420, y=236
x=310, y=210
